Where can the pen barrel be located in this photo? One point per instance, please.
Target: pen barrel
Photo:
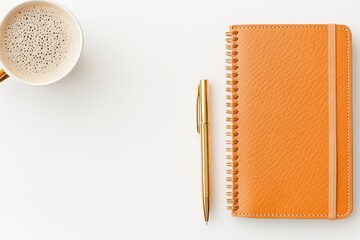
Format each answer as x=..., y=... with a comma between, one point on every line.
x=205, y=159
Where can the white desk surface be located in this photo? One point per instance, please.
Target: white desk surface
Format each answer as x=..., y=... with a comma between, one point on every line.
x=111, y=152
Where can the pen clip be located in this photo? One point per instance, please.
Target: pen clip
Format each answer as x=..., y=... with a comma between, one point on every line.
x=197, y=109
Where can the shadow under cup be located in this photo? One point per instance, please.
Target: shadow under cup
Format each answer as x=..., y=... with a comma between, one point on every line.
x=40, y=43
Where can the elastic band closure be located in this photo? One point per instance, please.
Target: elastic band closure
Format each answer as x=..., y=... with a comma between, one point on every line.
x=332, y=120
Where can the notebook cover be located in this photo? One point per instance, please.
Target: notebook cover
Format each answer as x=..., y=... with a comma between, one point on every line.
x=279, y=121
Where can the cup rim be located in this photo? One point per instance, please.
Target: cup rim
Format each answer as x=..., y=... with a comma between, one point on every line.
x=80, y=39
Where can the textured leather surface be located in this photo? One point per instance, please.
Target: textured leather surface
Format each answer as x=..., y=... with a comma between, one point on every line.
x=282, y=119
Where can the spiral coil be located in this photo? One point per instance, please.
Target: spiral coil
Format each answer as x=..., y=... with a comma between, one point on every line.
x=232, y=170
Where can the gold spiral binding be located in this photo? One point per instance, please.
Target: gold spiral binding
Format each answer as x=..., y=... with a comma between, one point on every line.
x=232, y=170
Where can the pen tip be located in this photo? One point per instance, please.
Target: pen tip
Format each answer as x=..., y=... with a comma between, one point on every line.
x=206, y=223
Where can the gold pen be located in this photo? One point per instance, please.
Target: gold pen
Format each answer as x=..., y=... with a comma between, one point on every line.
x=203, y=128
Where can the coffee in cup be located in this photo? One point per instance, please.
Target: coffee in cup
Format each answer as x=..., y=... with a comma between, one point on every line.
x=40, y=42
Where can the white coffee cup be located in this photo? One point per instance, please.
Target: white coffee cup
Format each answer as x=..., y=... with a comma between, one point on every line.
x=40, y=43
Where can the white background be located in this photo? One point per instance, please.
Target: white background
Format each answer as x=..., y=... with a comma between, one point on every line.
x=111, y=152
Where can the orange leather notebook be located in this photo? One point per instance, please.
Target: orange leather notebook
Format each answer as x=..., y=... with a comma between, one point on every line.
x=290, y=115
